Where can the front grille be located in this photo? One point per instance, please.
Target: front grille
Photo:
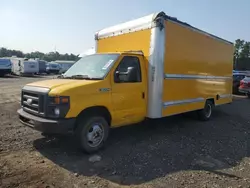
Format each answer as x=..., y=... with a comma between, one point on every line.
x=33, y=103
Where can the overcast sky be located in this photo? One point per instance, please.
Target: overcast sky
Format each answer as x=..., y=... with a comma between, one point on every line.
x=69, y=25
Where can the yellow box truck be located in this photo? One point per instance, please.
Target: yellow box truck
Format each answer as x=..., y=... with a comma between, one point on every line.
x=151, y=67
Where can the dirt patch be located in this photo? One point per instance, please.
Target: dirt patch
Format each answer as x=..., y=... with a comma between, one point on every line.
x=173, y=152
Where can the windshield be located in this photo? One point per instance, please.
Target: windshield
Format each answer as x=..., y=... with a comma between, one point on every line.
x=94, y=66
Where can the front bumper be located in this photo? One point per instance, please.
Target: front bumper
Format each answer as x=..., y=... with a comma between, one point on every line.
x=61, y=126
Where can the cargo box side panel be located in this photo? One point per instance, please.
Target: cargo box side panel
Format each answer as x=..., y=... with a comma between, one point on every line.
x=139, y=40
x=196, y=67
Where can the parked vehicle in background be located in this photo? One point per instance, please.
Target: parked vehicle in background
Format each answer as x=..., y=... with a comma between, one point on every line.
x=176, y=70
x=237, y=77
x=52, y=68
x=22, y=66
x=5, y=66
x=245, y=86
x=42, y=66
x=64, y=65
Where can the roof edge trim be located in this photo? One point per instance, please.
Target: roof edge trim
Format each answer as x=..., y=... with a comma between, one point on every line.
x=146, y=22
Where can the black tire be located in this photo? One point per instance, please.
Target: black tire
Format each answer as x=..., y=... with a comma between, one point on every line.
x=85, y=128
x=248, y=95
x=206, y=113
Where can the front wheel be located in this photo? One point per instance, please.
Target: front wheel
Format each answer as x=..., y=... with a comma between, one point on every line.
x=92, y=132
x=206, y=113
x=248, y=95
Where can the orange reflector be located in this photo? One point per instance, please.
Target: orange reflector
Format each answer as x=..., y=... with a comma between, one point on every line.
x=65, y=100
x=57, y=100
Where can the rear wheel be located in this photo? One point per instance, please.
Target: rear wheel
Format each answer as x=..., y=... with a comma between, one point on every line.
x=206, y=112
x=92, y=132
x=248, y=95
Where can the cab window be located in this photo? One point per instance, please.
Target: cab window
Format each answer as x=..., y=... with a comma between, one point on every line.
x=128, y=71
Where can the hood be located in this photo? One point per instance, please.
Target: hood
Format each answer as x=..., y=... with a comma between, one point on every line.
x=63, y=85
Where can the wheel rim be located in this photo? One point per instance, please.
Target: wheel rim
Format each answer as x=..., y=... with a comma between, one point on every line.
x=95, y=135
x=208, y=110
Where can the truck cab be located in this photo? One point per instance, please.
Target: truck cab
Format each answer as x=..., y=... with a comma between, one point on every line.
x=99, y=91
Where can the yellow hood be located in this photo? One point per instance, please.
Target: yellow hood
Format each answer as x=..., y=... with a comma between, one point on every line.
x=57, y=86
x=51, y=84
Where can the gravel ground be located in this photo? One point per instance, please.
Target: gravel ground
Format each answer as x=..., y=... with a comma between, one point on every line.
x=174, y=152
x=10, y=86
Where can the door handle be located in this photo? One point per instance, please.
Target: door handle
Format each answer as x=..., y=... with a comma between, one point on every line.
x=143, y=95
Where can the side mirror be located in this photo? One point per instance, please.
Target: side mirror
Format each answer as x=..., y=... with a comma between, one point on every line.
x=132, y=75
x=117, y=73
x=119, y=76
x=128, y=76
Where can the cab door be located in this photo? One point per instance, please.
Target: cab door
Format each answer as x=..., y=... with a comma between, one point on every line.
x=129, y=92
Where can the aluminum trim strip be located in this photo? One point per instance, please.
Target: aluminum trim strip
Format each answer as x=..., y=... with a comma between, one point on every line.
x=186, y=101
x=142, y=23
x=226, y=96
x=155, y=72
x=36, y=89
x=220, y=77
x=146, y=22
x=189, y=76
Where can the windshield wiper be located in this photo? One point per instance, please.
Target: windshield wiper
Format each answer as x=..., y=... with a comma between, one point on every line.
x=80, y=76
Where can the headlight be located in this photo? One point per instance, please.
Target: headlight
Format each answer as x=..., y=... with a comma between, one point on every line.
x=58, y=106
x=57, y=111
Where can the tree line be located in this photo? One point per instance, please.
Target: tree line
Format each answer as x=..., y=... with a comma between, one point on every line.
x=51, y=56
x=241, y=55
